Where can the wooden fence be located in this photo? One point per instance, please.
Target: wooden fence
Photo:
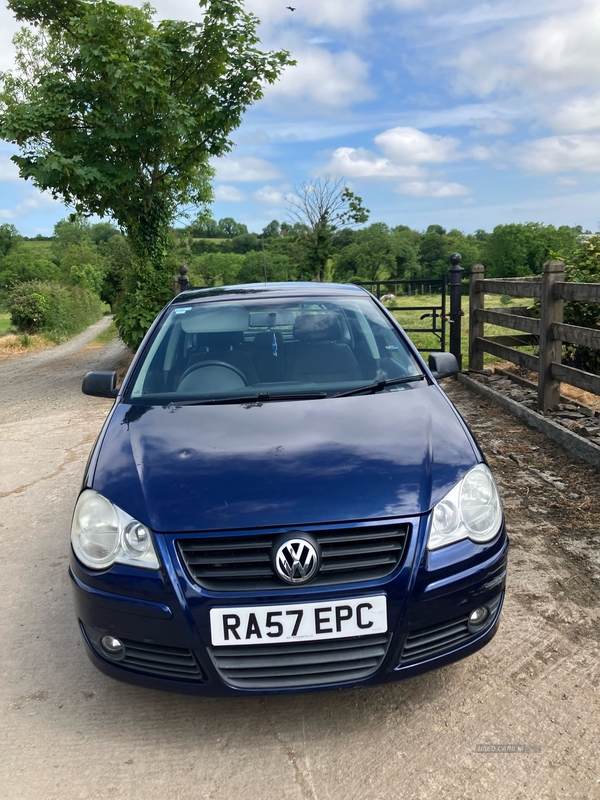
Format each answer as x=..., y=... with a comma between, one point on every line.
x=548, y=331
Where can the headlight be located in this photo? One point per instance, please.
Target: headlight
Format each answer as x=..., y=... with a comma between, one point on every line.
x=471, y=510
x=103, y=534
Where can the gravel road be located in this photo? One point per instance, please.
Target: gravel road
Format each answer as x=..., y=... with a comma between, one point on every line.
x=67, y=731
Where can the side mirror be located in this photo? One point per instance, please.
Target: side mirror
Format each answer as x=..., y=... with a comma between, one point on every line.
x=443, y=365
x=100, y=384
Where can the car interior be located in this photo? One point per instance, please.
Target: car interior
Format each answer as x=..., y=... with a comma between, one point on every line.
x=224, y=347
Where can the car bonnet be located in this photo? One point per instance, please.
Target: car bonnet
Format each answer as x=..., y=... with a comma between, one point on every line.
x=200, y=468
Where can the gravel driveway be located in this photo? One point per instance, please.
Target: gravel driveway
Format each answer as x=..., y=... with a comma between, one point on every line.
x=67, y=731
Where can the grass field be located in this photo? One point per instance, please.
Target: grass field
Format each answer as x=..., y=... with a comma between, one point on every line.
x=412, y=319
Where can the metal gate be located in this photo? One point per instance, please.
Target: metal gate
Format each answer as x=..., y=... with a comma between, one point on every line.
x=436, y=313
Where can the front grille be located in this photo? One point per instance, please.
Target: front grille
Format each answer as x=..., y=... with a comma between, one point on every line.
x=437, y=640
x=234, y=563
x=300, y=664
x=151, y=659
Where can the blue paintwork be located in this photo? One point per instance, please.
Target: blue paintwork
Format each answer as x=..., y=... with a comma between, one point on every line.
x=311, y=464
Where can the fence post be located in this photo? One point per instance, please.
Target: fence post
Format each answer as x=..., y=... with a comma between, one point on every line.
x=181, y=282
x=456, y=313
x=476, y=301
x=551, y=311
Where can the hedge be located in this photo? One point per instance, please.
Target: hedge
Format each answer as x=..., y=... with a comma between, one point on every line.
x=53, y=308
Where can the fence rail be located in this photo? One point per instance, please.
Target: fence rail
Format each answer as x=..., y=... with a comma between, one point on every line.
x=549, y=331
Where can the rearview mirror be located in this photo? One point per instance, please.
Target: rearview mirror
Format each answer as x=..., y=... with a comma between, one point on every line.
x=443, y=365
x=100, y=384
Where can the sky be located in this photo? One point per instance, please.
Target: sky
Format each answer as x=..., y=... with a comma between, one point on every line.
x=463, y=114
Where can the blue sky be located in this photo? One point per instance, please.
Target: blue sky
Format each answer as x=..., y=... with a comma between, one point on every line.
x=464, y=114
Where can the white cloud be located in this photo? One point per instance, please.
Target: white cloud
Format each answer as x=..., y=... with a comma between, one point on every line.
x=481, y=153
x=342, y=15
x=559, y=51
x=435, y=189
x=8, y=27
x=229, y=194
x=361, y=163
x=499, y=153
x=406, y=149
x=561, y=154
x=494, y=126
x=38, y=202
x=273, y=196
x=564, y=50
x=578, y=115
x=564, y=181
x=245, y=169
x=322, y=77
x=332, y=14
x=412, y=146
x=9, y=172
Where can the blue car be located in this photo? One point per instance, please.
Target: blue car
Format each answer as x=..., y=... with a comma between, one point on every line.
x=283, y=499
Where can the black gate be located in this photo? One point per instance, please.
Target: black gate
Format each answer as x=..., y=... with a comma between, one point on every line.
x=392, y=292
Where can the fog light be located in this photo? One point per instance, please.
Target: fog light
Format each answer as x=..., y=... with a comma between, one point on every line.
x=478, y=617
x=112, y=646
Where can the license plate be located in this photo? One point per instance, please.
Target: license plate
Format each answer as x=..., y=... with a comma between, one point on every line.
x=306, y=622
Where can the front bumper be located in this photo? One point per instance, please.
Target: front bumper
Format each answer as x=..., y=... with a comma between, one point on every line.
x=163, y=620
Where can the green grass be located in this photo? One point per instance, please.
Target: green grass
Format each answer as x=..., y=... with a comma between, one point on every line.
x=106, y=336
x=4, y=323
x=36, y=249
x=411, y=319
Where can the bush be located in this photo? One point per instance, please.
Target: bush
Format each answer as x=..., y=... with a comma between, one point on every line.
x=87, y=276
x=584, y=268
x=60, y=311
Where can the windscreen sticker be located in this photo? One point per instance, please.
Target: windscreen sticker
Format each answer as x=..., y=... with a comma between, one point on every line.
x=183, y=310
x=392, y=347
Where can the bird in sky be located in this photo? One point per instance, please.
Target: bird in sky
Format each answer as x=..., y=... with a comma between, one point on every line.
x=290, y=8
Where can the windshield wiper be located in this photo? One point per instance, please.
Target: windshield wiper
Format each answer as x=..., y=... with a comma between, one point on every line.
x=379, y=386
x=261, y=397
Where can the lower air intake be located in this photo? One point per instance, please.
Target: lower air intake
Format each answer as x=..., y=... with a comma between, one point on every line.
x=151, y=659
x=300, y=664
x=437, y=640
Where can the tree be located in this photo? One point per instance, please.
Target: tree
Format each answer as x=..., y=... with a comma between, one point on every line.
x=9, y=236
x=521, y=249
x=117, y=256
x=204, y=227
x=102, y=232
x=244, y=243
x=278, y=266
x=118, y=115
x=20, y=266
x=584, y=266
x=229, y=228
x=272, y=230
x=217, y=269
x=433, y=252
x=322, y=207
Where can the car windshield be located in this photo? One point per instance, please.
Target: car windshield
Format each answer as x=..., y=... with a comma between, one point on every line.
x=267, y=349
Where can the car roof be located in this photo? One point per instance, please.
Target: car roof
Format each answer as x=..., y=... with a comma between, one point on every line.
x=256, y=290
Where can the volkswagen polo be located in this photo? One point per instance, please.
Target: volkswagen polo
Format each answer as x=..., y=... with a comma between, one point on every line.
x=282, y=498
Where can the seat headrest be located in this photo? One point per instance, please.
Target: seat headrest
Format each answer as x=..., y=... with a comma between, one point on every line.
x=317, y=328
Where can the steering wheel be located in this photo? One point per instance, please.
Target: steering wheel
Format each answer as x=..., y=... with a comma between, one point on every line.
x=222, y=364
